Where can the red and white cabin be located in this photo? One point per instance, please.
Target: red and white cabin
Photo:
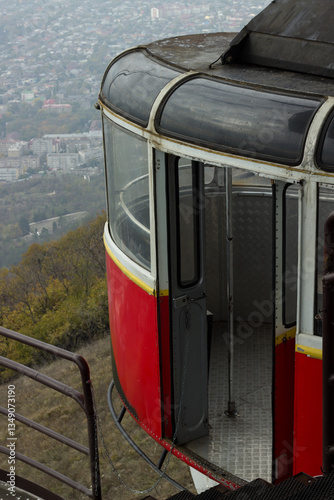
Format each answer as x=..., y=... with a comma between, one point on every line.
x=219, y=160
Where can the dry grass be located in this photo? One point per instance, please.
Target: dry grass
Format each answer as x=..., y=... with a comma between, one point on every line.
x=63, y=415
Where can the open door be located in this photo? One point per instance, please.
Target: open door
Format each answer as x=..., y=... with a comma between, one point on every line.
x=286, y=265
x=188, y=317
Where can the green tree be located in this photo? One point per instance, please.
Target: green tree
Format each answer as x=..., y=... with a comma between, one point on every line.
x=44, y=233
x=39, y=215
x=58, y=291
x=14, y=231
x=24, y=225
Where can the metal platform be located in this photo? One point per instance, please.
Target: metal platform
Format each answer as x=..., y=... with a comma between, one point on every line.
x=19, y=494
x=241, y=445
x=299, y=487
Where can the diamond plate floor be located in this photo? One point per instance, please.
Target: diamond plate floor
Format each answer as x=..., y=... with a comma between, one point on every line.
x=241, y=445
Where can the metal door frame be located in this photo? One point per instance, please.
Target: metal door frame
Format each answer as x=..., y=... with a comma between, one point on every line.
x=188, y=321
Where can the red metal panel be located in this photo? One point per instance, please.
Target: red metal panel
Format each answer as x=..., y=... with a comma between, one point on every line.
x=134, y=336
x=166, y=365
x=284, y=400
x=308, y=415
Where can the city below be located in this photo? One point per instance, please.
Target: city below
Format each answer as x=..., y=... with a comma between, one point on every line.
x=52, y=61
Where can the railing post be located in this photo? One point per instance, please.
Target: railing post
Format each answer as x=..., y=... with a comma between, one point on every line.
x=328, y=348
x=231, y=409
x=92, y=427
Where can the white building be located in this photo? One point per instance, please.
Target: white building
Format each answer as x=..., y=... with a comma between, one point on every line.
x=30, y=162
x=5, y=145
x=27, y=96
x=16, y=149
x=154, y=13
x=57, y=108
x=10, y=174
x=89, y=154
x=42, y=146
x=10, y=162
x=62, y=161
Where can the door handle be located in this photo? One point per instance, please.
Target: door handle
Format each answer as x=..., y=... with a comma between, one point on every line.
x=184, y=299
x=202, y=296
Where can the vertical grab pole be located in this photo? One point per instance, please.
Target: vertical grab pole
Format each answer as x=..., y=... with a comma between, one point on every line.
x=231, y=410
x=328, y=347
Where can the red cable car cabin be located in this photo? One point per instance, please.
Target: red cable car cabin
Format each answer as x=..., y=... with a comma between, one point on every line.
x=220, y=174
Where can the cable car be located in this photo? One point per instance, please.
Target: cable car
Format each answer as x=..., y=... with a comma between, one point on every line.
x=219, y=163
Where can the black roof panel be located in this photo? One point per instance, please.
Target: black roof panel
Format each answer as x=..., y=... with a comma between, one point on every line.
x=289, y=34
x=306, y=19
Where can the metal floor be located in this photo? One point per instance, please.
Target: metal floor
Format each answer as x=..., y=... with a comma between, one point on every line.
x=240, y=445
x=19, y=494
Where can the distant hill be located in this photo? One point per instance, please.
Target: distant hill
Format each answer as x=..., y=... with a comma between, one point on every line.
x=29, y=202
x=56, y=293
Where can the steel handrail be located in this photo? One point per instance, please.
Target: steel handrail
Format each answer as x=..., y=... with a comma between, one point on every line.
x=84, y=400
x=128, y=212
x=48, y=432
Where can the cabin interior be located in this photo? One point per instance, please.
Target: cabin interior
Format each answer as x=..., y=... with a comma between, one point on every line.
x=239, y=235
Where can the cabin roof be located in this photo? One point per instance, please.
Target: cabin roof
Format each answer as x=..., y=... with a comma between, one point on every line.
x=203, y=53
x=288, y=34
x=218, y=90
x=304, y=20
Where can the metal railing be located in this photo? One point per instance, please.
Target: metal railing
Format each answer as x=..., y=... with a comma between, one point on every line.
x=84, y=400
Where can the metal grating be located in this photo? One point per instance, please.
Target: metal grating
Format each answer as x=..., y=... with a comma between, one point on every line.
x=241, y=445
x=308, y=489
x=288, y=487
x=211, y=495
x=251, y=491
x=182, y=495
x=323, y=488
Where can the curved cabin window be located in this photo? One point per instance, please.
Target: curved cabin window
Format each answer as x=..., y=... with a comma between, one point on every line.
x=238, y=119
x=188, y=223
x=290, y=255
x=133, y=82
x=325, y=207
x=325, y=156
x=128, y=192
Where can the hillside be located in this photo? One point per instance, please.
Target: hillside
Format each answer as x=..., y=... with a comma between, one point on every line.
x=63, y=415
x=24, y=204
x=57, y=293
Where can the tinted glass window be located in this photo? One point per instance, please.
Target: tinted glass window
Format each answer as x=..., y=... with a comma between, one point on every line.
x=132, y=84
x=239, y=119
x=290, y=255
x=326, y=154
x=128, y=192
x=189, y=205
x=325, y=208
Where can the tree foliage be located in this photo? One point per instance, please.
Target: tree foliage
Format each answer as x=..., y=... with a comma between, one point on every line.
x=42, y=198
x=24, y=225
x=32, y=121
x=57, y=293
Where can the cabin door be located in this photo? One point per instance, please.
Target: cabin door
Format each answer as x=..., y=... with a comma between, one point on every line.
x=286, y=283
x=185, y=187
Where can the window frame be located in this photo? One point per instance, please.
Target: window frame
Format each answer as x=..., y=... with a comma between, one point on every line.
x=118, y=242
x=320, y=144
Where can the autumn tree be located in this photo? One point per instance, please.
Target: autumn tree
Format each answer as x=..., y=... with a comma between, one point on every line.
x=58, y=292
